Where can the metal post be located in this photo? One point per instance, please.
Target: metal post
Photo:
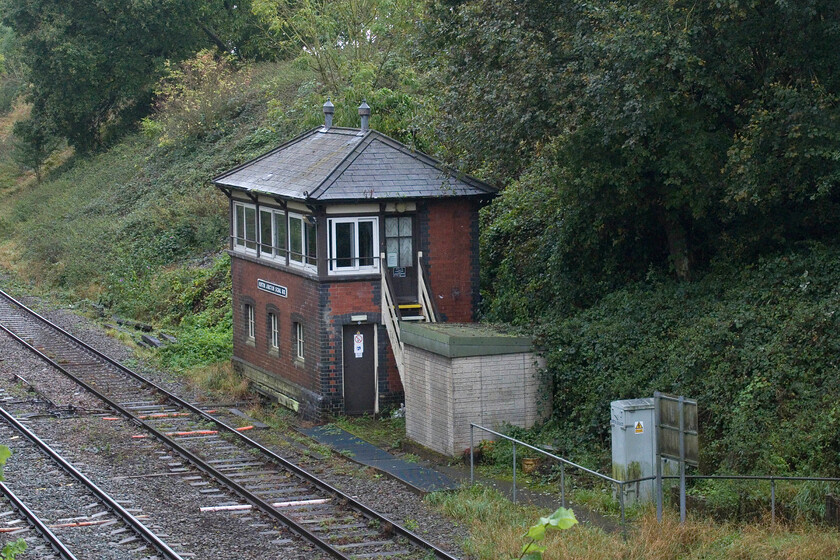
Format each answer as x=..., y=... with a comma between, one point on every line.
x=514, y=472
x=658, y=457
x=682, y=458
x=472, y=458
x=563, y=484
x=621, y=501
x=773, y=501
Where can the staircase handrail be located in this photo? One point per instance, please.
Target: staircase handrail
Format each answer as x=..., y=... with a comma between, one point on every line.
x=391, y=317
x=426, y=300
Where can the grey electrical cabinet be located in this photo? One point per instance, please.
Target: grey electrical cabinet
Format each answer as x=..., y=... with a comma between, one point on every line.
x=634, y=445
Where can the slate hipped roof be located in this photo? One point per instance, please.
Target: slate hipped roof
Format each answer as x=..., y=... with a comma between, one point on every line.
x=343, y=164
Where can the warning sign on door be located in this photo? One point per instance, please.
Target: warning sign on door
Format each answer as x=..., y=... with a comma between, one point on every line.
x=358, y=344
x=640, y=427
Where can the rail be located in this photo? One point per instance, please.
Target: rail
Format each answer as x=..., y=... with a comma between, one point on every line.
x=106, y=499
x=429, y=308
x=41, y=527
x=620, y=485
x=340, y=497
x=391, y=318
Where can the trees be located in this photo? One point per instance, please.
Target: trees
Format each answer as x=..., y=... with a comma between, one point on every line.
x=658, y=133
x=93, y=64
x=33, y=144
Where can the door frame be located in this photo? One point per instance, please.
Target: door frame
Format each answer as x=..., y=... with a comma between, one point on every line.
x=375, y=361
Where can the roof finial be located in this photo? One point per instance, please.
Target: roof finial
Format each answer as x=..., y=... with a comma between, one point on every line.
x=329, y=109
x=364, y=112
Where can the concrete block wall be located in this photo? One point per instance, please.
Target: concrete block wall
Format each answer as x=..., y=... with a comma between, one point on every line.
x=444, y=395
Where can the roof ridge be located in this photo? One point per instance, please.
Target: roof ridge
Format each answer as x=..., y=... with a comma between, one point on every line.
x=345, y=162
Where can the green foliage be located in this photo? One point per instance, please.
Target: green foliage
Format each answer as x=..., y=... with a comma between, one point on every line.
x=33, y=144
x=195, y=97
x=561, y=519
x=656, y=134
x=12, y=549
x=93, y=65
x=5, y=453
x=341, y=39
x=755, y=345
x=11, y=70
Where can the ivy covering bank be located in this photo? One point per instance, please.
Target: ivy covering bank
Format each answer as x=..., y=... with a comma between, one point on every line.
x=757, y=345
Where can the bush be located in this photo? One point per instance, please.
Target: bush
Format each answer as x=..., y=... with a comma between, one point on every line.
x=196, y=97
x=756, y=345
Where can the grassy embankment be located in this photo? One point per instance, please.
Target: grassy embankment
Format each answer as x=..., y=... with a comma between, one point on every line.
x=138, y=228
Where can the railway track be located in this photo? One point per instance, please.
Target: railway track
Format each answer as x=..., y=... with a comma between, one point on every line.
x=69, y=504
x=18, y=521
x=333, y=521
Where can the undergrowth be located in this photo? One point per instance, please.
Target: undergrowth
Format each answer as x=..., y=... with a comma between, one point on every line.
x=496, y=527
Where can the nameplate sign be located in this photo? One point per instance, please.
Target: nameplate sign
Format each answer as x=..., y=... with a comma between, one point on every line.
x=271, y=288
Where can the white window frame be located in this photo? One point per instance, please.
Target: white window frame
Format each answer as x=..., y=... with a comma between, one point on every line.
x=277, y=253
x=274, y=331
x=355, y=268
x=241, y=243
x=305, y=240
x=250, y=321
x=299, y=341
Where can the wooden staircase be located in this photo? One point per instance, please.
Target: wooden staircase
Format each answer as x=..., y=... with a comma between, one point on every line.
x=392, y=313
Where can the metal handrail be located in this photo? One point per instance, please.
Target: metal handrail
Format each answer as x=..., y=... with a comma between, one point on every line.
x=391, y=318
x=621, y=484
x=429, y=308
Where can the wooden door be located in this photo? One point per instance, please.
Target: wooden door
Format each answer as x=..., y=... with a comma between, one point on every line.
x=359, y=370
x=401, y=258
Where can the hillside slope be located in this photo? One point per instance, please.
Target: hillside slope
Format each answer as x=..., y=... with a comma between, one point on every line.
x=756, y=344
x=139, y=228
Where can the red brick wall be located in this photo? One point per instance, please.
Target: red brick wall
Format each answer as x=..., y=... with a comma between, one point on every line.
x=301, y=304
x=453, y=258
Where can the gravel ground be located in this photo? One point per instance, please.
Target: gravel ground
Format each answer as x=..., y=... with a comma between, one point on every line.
x=104, y=449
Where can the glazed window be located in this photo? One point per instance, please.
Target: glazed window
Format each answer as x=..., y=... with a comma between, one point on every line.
x=244, y=227
x=250, y=323
x=273, y=229
x=302, y=241
x=353, y=243
x=298, y=341
x=273, y=337
x=398, y=242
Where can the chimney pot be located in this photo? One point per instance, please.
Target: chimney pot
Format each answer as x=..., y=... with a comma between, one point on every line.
x=364, y=112
x=329, y=110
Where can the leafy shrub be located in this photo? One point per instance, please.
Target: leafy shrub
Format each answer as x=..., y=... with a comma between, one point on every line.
x=756, y=345
x=196, y=96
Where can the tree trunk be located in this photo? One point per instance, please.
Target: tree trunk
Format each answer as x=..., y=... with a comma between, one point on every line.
x=678, y=250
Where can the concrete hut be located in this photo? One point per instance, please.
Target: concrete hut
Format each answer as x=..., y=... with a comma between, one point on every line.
x=337, y=237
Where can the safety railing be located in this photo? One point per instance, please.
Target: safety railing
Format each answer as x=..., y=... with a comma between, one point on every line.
x=621, y=485
x=429, y=310
x=391, y=318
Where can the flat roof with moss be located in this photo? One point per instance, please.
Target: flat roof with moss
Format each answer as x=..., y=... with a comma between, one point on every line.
x=461, y=340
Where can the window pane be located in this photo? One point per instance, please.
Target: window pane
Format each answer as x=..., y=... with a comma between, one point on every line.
x=345, y=244
x=391, y=227
x=392, y=250
x=296, y=239
x=405, y=227
x=405, y=251
x=250, y=228
x=311, y=244
x=240, y=225
x=365, y=243
x=280, y=234
x=265, y=233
